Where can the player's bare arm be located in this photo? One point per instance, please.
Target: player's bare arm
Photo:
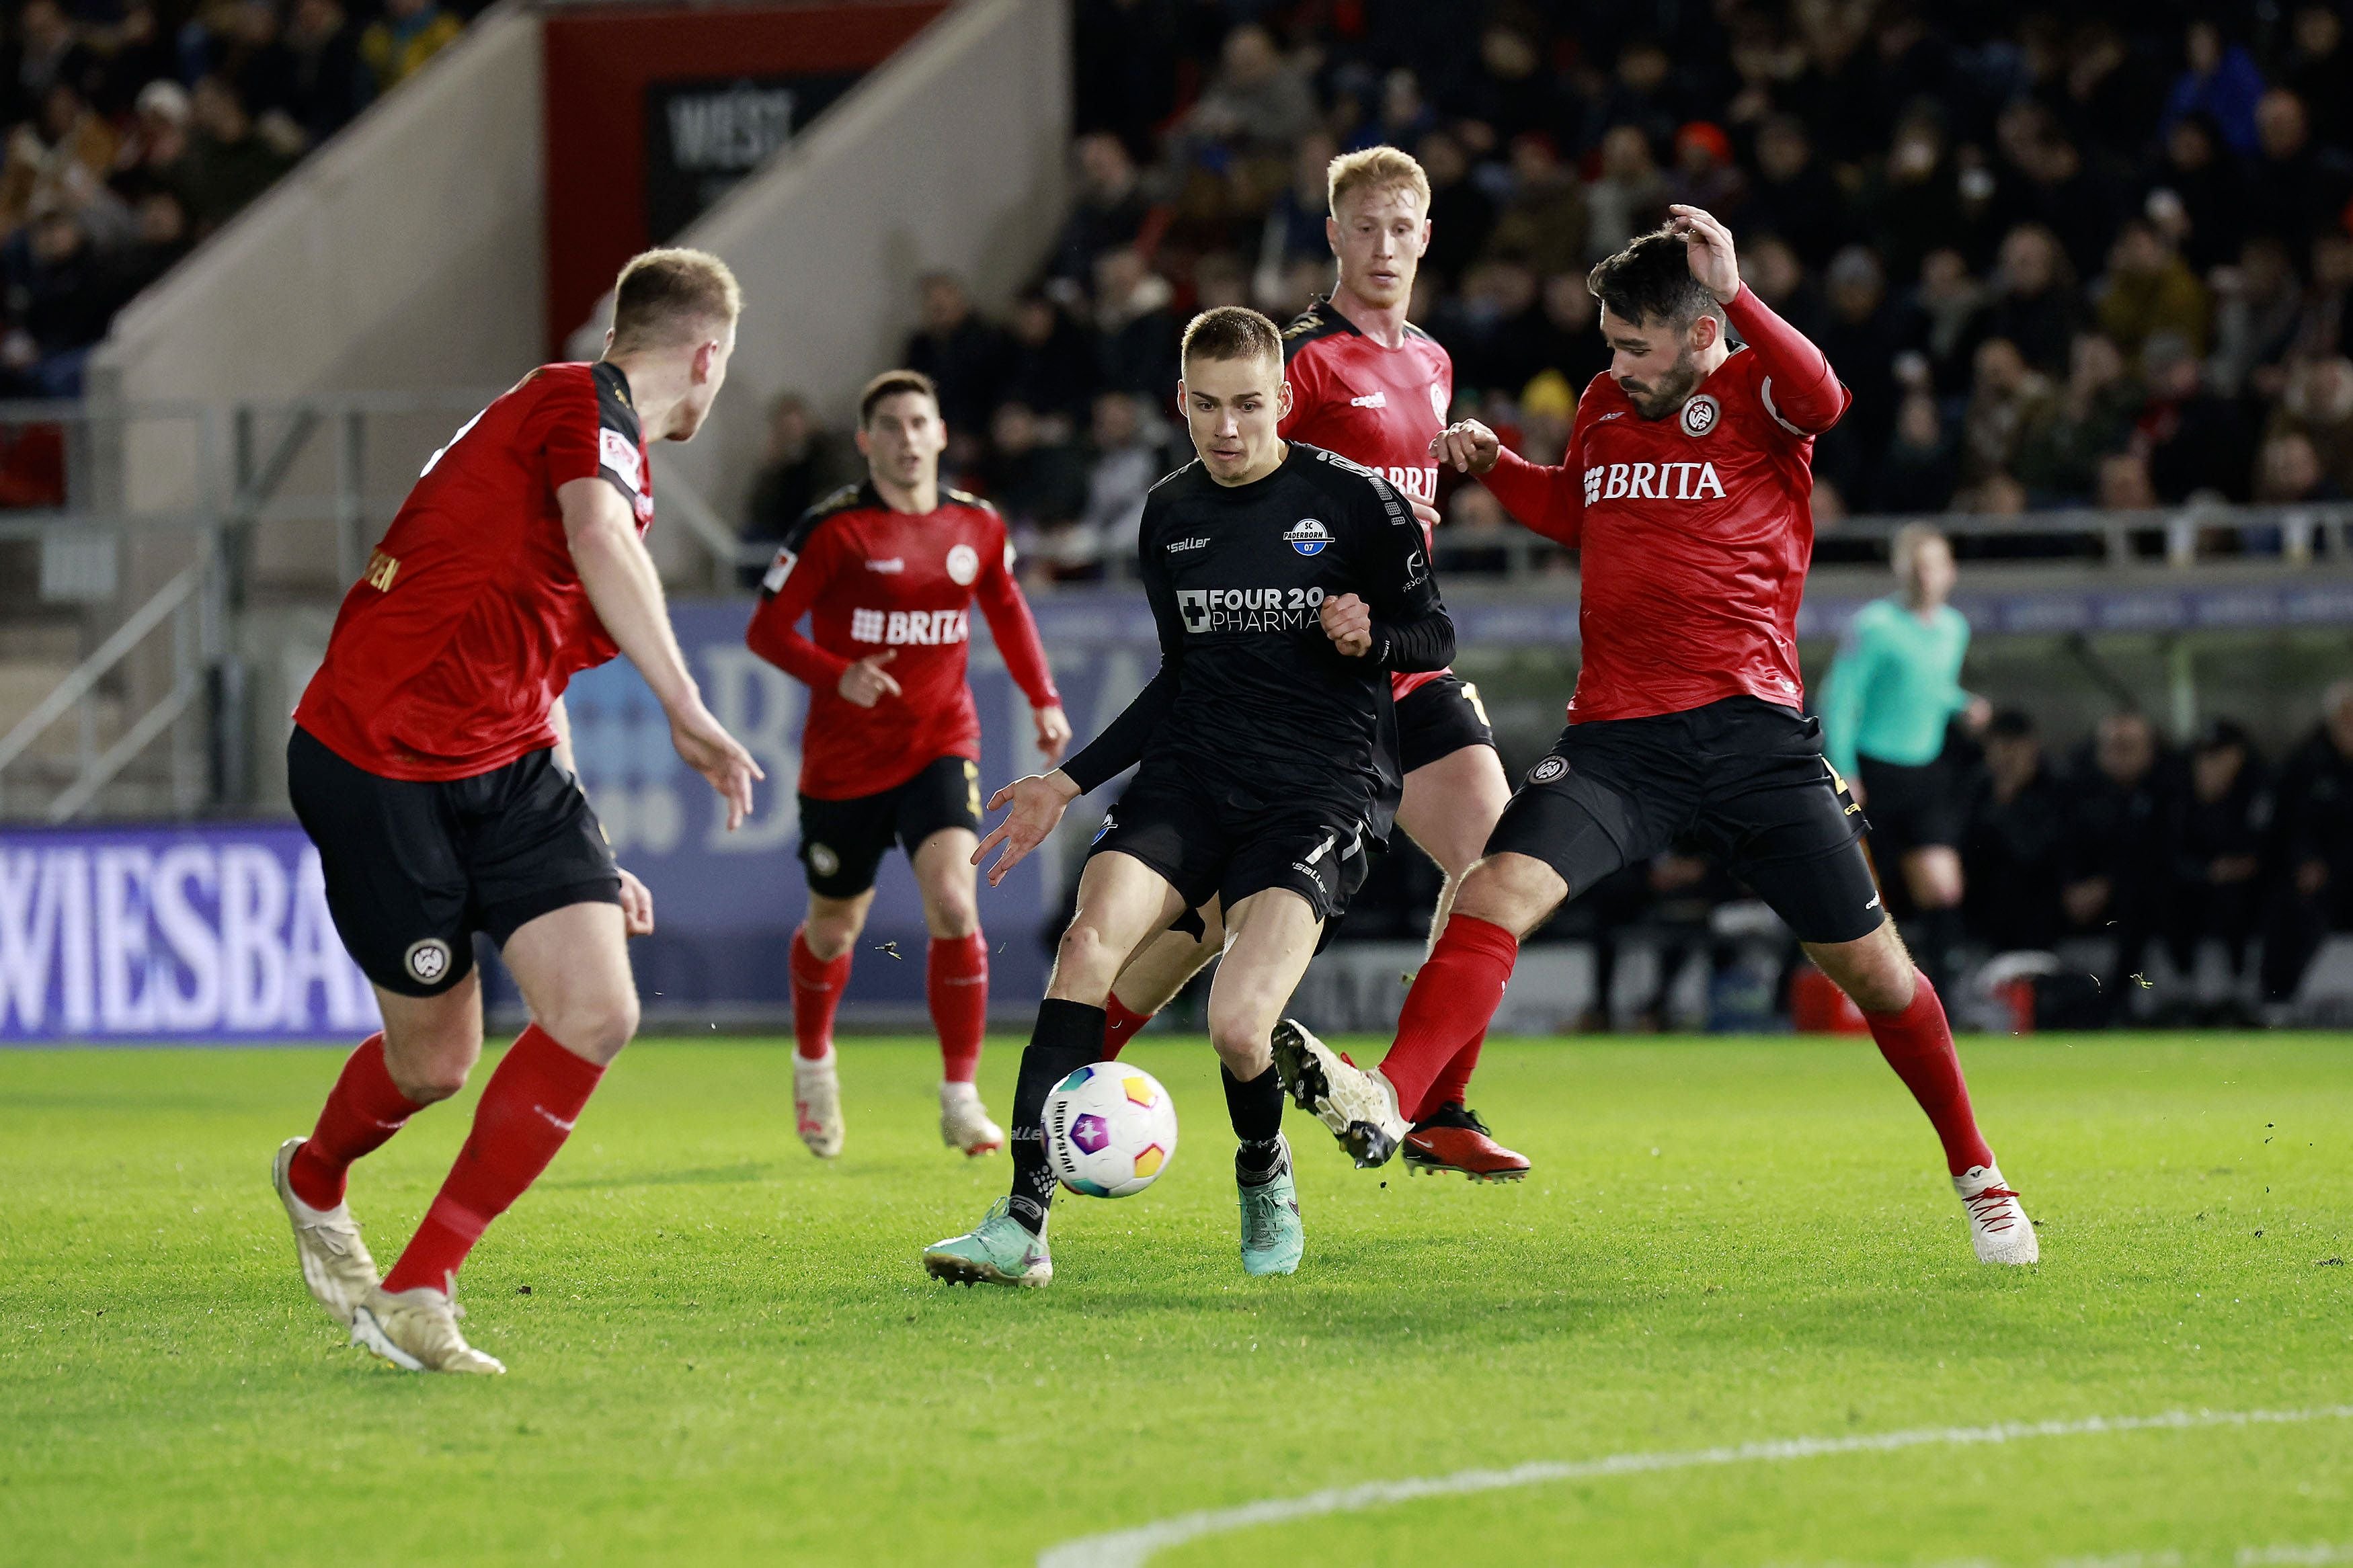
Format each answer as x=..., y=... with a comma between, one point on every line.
x=626, y=591
x=1039, y=802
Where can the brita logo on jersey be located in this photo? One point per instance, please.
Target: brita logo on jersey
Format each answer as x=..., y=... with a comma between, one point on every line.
x=1247, y=609
x=1308, y=536
x=897, y=628
x=1652, y=481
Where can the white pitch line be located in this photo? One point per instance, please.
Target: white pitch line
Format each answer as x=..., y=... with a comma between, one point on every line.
x=1132, y=1548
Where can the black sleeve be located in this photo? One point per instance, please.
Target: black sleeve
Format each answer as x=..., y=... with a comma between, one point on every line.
x=1121, y=744
x=1411, y=630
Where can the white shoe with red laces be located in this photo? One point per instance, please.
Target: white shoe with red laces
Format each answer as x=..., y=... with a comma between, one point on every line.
x=1999, y=1227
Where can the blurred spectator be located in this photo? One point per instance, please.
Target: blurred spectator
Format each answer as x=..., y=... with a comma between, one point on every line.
x=1629, y=198
x=2013, y=851
x=1704, y=176
x=1542, y=222
x=1137, y=330
x=2198, y=440
x=1910, y=199
x=802, y=465
x=1259, y=103
x=1123, y=462
x=46, y=52
x=1041, y=488
x=1049, y=363
x=1793, y=196
x=2124, y=484
x=154, y=155
x=2318, y=405
x=1477, y=536
x=2315, y=847
x=2320, y=321
x=410, y=32
x=1940, y=309
x=2114, y=863
x=1921, y=465
x=2034, y=302
x=2258, y=309
x=2215, y=844
x=1294, y=222
x=2295, y=189
x=1567, y=335
x=2059, y=459
x=1462, y=216
x=1125, y=58
x=2287, y=470
x=329, y=83
x=2317, y=66
x=1863, y=336
x=2197, y=174
x=2221, y=80
x=964, y=356
x=229, y=162
x=1110, y=209
x=2009, y=398
x=2149, y=288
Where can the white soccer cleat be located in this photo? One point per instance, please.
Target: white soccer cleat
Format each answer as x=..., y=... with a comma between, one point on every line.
x=336, y=1261
x=965, y=1123
x=1999, y=1227
x=416, y=1331
x=1360, y=1108
x=817, y=1105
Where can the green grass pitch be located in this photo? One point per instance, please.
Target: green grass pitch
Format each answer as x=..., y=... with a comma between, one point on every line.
x=729, y=1353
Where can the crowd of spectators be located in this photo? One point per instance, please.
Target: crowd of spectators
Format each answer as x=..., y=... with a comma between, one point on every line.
x=136, y=127
x=2065, y=256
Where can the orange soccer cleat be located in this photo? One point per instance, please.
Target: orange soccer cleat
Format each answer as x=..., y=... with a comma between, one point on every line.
x=1454, y=1139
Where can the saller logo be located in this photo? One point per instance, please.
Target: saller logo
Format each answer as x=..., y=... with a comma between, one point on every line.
x=1308, y=536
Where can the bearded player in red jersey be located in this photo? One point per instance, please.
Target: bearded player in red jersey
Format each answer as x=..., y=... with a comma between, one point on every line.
x=887, y=573
x=1368, y=385
x=431, y=763
x=1686, y=487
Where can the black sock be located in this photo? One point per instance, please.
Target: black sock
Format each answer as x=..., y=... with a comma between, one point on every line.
x=1068, y=1036
x=1256, y=1108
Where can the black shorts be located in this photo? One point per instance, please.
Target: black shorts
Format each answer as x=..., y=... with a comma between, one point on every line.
x=1440, y=719
x=415, y=869
x=1744, y=777
x=1207, y=849
x=843, y=841
x=1910, y=807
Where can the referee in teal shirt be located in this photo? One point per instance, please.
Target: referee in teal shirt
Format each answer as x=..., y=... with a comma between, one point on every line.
x=1895, y=688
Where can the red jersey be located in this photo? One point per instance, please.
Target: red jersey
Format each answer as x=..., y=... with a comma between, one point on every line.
x=1374, y=405
x=871, y=579
x=470, y=620
x=1695, y=530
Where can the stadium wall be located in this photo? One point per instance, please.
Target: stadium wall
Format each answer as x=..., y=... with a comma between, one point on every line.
x=951, y=156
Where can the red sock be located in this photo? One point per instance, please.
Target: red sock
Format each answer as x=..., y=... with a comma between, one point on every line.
x=816, y=990
x=1453, y=999
x=527, y=1110
x=955, y=981
x=363, y=1110
x=1918, y=1044
x=1452, y=1086
x=1119, y=1025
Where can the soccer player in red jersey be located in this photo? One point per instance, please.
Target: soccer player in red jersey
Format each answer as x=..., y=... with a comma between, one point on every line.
x=431, y=763
x=1372, y=387
x=888, y=573
x=1686, y=487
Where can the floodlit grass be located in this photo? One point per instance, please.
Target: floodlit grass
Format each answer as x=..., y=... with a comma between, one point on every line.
x=728, y=1353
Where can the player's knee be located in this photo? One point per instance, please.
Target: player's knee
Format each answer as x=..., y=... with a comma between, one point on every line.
x=829, y=933
x=1515, y=891
x=428, y=1070
x=951, y=913
x=1084, y=964
x=1239, y=1033
x=1875, y=973
x=596, y=1026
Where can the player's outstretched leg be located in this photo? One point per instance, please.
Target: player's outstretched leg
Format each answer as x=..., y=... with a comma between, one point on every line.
x=818, y=985
x=1907, y=1020
x=1008, y=1245
x=1360, y=1108
x=362, y=1111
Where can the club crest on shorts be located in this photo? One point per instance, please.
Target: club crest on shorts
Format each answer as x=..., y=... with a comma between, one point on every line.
x=1548, y=770
x=1308, y=536
x=823, y=860
x=963, y=566
x=1700, y=414
x=427, y=960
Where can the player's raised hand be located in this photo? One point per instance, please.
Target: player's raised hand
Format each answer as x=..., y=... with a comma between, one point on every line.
x=864, y=682
x=1037, y=804
x=1468, y=445
x=1053, y=731
x=637, y=906
x=1709, y=245
x=1349, y=622
x=705, y=744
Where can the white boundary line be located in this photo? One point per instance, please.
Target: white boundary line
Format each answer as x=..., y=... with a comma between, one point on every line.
x=1132, y=1548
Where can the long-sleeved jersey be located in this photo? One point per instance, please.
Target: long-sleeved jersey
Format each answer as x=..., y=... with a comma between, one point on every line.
x=1252, y=697
x=1896, y=685
x=873, y=580
x=1696, y=529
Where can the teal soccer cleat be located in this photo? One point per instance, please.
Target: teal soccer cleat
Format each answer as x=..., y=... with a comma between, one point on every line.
x=1272, y=1238
x=999, y=1250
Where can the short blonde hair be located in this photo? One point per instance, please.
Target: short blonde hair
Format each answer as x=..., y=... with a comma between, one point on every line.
x=1230, y=332
x=1376, y=169
x=663, y=297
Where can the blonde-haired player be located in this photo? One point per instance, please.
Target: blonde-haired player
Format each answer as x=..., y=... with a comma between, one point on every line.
x=1372, y=387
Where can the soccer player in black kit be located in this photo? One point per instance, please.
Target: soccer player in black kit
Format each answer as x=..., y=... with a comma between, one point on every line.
x=1286, y=583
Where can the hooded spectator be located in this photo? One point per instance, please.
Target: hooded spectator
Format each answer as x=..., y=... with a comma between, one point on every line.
x=2219, y=79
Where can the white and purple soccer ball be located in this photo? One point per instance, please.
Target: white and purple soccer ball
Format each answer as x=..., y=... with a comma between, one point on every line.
x=1110, y=1130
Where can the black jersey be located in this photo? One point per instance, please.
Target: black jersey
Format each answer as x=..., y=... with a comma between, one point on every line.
x=1252, y=700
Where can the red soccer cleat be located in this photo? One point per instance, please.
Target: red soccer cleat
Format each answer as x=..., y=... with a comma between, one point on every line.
x=1456, y=1139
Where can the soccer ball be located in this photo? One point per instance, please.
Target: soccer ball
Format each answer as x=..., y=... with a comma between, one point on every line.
x=1110, y=1130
